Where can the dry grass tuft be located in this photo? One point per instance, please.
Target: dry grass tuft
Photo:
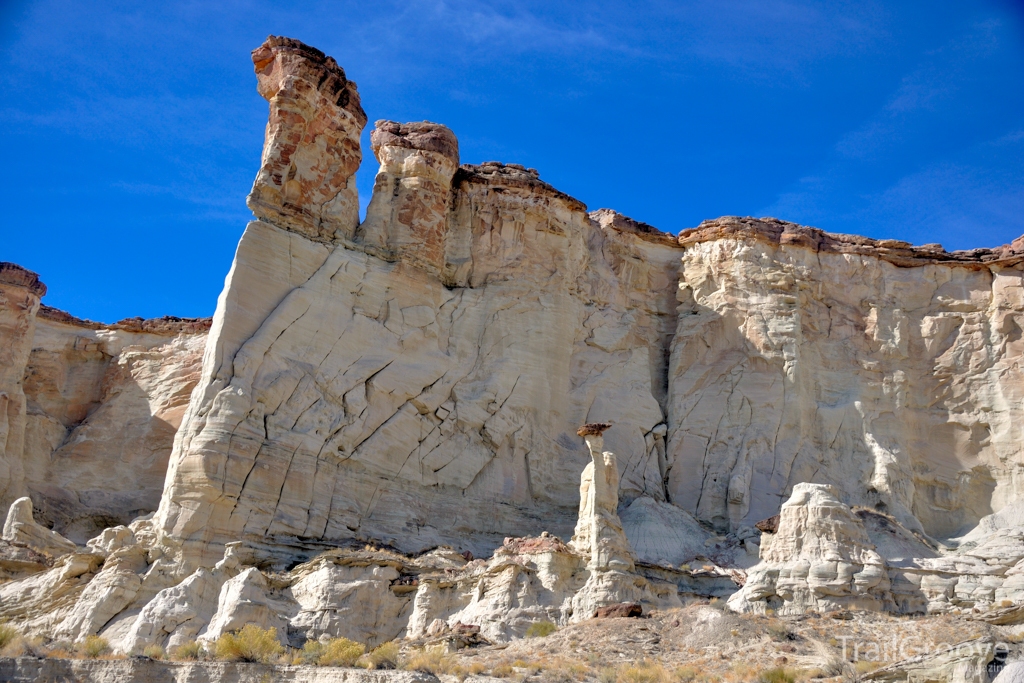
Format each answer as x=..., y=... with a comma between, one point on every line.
x=154, y=652
x=251, y=644
x=93, y=647
x=646, y=671
x=385, y=656
x=502, y=670
x=190, y=651
x=434, y=660
x=8, y=635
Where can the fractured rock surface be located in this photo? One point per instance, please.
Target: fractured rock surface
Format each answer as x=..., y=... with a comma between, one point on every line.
x=369, y=391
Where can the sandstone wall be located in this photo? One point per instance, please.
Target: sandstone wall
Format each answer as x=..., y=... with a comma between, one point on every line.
x=421, y=379
x=20, y=290
x=88, y=411
x=104, y=403
x=889, y=371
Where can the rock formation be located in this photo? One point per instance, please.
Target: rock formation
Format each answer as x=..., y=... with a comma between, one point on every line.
x=886, y=370
x=20, y=527
x=20, y=291
x=375, y=403
x=819, y=560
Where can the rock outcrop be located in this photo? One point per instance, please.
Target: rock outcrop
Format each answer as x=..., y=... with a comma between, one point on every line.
x=886, y=370
x=819, y=560
x=369, y=391
x=20, y=291
x=104, y=402
x=20, y=527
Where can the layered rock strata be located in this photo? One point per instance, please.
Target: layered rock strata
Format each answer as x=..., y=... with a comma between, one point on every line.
x=20, y=291
x=886, y=370
x=432, y=367
x=416, y=379
x=103, y=404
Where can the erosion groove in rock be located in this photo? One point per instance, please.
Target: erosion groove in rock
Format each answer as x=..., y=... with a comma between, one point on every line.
x=377, y=403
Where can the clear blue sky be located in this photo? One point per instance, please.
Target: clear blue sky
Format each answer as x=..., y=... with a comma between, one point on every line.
x=132, y=131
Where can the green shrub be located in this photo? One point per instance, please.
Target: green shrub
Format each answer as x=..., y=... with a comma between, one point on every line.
x=385, y=656
x=93, y=647
x=251, y=644
x=540, y=629
x=776, y=675
x=154, y=652
x=190, y=651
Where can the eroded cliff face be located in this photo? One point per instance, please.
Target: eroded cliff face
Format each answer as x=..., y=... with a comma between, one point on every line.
x=89, y=411
x=417, y=379
x=888, y=371
x=421, y=380
x=103, y=404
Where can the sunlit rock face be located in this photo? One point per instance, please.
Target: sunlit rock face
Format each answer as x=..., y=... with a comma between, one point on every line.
x=370, y=389
x=103, y=404
x=20, y=291
x=888, y=371
x=423, y=380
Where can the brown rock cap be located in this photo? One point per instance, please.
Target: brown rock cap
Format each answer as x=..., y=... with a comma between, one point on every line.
x=168, y=325
x=593, y=429
x=624, y=609
x=768, y=526
x=897, y=252
x=511, y=175
x=430, y=137
x=13, y=274
x=312, y=65
x=610, y=219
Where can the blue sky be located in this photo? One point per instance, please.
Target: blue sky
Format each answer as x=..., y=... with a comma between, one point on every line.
x=133, y=130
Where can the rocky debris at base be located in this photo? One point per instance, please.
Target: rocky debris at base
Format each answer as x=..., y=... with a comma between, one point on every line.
x=146, y=670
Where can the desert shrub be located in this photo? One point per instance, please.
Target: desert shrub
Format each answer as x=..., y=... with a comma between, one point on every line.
x=777, y=675
x=334, y=652
x=608, y=675
x=540, y=629
x=93, y=647
x=189, y=651
x=251, y=644
x=154, y=652
x=560, y=670
x=685, y=674
x=777, y=630
x=8, y=634
x=385, y=656
x=432, y=660
x=864, y=666
x=643, y=672
x=477, y=668
x=502, y=670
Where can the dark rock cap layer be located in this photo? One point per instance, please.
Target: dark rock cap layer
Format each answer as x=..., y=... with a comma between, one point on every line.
x=430, y=137
x=897, y=252
x=314, y=66
x=13, y=274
